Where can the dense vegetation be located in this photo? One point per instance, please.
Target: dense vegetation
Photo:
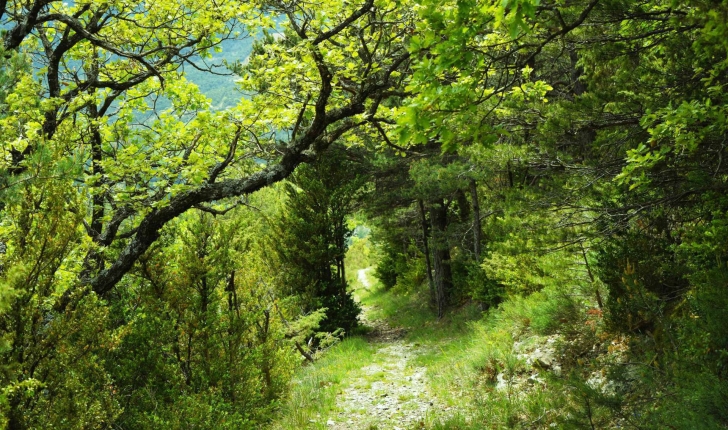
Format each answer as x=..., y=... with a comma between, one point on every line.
x=168, y=261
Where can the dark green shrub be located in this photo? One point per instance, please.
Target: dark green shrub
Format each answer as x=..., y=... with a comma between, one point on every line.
x=386, y=270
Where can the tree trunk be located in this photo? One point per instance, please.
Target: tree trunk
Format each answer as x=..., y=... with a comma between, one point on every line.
x=340, y=240
x=441, y=256
x=463, y=207
x=266, y=365
x=510, y=175
x=233, y=305
x=591, y=277
x=477, y=230
x=578, y=87
x=15, y=415
x=423, y=221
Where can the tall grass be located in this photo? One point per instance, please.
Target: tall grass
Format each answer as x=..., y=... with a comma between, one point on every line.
x=314, y=389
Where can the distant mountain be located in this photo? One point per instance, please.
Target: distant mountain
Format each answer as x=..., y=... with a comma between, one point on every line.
x=222, y=89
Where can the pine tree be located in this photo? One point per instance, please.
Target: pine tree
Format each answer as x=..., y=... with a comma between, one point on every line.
x=312, y=238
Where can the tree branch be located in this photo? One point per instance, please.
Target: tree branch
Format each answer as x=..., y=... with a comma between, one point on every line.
x=366, y=7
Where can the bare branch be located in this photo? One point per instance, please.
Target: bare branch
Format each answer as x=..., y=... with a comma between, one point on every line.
x=219, y=167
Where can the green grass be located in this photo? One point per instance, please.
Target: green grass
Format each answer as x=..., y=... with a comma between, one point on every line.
x=314, y=390
x=466, y=353
x=313, y=394
x=463, y=354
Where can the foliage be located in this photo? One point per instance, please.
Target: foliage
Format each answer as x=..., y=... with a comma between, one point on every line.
x=210, y=335
x=558, y=162
x=120, y=306
x=311, y=239
x=386, y=271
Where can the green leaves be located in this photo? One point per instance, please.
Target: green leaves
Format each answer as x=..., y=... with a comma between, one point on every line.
x=513, y=15
x=457, y=82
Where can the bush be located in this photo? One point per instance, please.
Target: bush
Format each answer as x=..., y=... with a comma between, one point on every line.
x=342, y=312
x=386, y=271
x=480, y=288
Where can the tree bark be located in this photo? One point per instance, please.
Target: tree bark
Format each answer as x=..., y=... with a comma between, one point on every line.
x=477, y=230
x=510, y=175
x=591, y=277
x=423, y=221
x=463, y=207
x=441, y=255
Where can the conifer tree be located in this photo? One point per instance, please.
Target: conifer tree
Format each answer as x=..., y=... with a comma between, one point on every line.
x=312, y=237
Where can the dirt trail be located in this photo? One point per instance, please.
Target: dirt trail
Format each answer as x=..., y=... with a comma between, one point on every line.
x=390, y=393
x=362, y=276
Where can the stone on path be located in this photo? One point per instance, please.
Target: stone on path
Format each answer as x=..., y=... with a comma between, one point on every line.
x=392, y=392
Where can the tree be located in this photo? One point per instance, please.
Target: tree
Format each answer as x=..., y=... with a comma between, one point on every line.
x=202, y=329
x=140, y=177
x=312, y=238
x=422, y=212
x=90, y=156
x=614, y=121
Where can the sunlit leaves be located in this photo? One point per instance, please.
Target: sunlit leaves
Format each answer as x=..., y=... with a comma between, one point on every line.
x=456, y=76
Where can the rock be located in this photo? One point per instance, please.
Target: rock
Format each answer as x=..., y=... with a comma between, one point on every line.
x=541, y=363
x=534, y=379
x=502, y=383
x=556, y=369
x=543, y=358
x=600, y=383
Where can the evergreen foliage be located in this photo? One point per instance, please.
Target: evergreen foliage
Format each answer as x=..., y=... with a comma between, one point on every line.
x=312, y=235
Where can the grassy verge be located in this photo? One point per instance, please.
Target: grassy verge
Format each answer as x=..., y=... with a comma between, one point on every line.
x=489, y=375
x=474, y=369
x=313, y=395
x=477, y=363
x=488, y=370
x=312, y=398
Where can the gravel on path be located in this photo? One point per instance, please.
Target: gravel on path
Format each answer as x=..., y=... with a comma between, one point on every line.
x=390, y=393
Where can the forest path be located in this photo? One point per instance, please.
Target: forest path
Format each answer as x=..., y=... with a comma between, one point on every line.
x=361, y=275
x=390, y=392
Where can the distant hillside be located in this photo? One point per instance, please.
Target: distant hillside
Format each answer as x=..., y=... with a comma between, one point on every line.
x=222, y=89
